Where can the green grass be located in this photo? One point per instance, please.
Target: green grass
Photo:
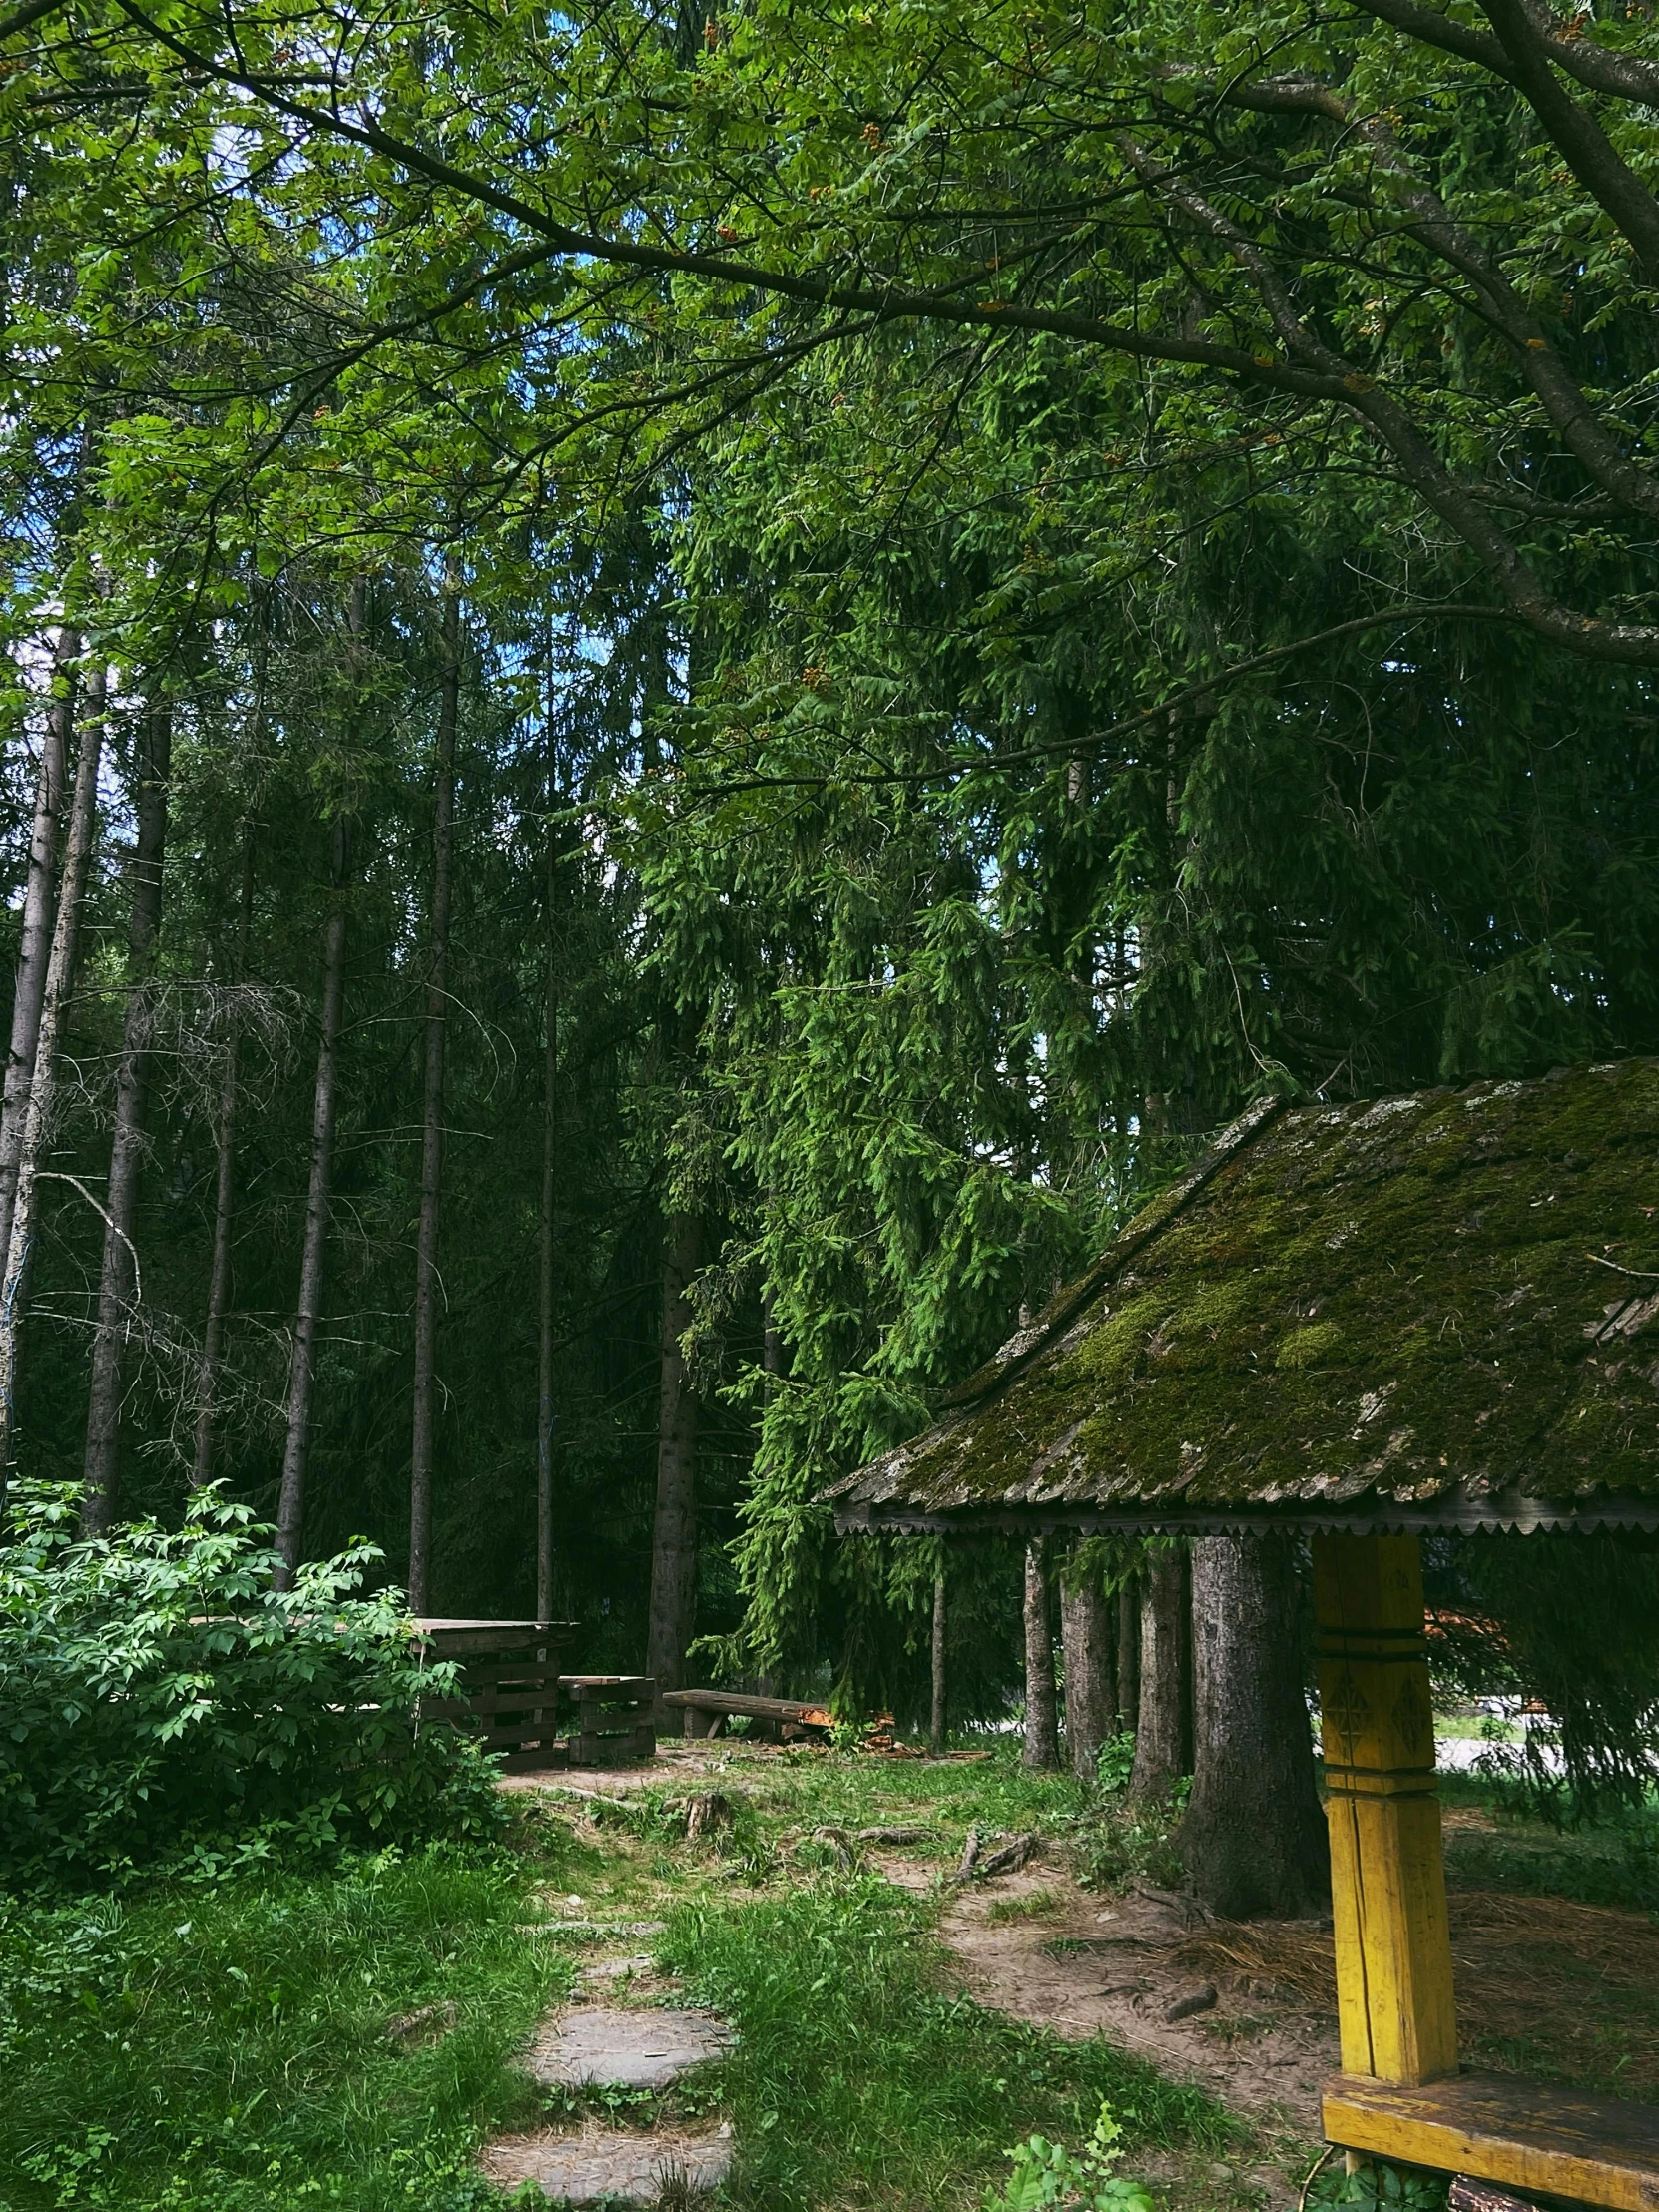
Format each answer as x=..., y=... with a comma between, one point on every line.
x=863, y=2078
x=223, y=2048
x=1614, y=1862
x=226, y=2047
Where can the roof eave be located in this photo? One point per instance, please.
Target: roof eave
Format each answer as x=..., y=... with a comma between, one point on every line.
x=1507, y=1513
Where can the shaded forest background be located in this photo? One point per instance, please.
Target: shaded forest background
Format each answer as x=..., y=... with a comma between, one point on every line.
x=911, y=779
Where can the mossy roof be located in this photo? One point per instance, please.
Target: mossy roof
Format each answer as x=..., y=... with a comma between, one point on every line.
x=1435, y=1309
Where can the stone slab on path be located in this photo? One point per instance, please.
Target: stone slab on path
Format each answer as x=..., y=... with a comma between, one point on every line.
x=598, y=2164
x=644, y=2049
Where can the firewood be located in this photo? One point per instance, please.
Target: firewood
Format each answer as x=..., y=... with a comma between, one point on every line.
x=1470, y=2195
x=970, y=1859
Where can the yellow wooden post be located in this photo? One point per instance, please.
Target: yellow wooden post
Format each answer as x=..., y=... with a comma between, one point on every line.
x=1388, y=1874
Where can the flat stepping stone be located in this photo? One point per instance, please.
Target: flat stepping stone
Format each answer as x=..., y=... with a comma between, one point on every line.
x=629, y=2169
x=615, y=1969
x=590, y=1931
x=647, y=2049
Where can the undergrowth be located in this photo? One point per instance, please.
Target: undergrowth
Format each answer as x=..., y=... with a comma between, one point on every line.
x=233, y=2048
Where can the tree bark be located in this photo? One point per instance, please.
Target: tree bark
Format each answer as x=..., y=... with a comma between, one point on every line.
x=37, y=1119
x=219, y=1279
x=1086, y=1637
x=35, y=951
x=1252, y=1836
x=1128, y=1655
x=936, y=1732
x=117, y=1282
x=428, y=1283
x=673, y=1537
x=1163, y=1738
x=290, y=1505
x=547, y=1414
x=1042, y=1746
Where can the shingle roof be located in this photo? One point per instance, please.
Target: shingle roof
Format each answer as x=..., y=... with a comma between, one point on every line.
x=1430, y=1311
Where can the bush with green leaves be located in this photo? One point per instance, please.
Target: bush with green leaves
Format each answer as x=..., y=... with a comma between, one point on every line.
x=164, y=1704
x=1047, y=2173
x=1374, y=2187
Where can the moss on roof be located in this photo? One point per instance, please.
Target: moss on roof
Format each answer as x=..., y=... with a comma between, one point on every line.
x=1447, y=1294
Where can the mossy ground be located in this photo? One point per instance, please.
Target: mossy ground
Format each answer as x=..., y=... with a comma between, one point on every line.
x=226, y=2049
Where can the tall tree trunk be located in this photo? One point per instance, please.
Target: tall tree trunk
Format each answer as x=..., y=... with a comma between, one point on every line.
x=290, y=1505
x=936, y=1732
x=1129, y=1654
x=1042, y=1743
x=117, y=1282
x=1087, y=1631
x=37, y=1121
x=224, y=1181
x=35, y=951
x=673, y=1538
x=547, y=1416
x=1252, y=1836
x=429, y=1284
x=1164, y=1737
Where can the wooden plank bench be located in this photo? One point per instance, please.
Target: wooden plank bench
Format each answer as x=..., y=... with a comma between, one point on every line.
x=1522, y=2134
x=1402, y=2093
x=508, y=1691
x=615, y=1723
x=782, y=1719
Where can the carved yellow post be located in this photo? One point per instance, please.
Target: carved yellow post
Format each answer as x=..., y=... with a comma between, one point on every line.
x=1388, y=1874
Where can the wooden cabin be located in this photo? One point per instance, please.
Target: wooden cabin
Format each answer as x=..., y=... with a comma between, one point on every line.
x=1364, y=1324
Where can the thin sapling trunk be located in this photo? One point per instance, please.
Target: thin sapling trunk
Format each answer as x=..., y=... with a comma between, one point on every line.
x=936, y=1732
x=224, y=1180
x=546, y=1410
x=291, y=1504
x=428, y=1283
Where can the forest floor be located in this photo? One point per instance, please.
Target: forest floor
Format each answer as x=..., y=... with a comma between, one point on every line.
x=359, y=2037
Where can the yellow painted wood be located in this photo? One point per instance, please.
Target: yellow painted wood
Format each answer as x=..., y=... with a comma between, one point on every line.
x=1526, y=2135
x=1387, y=1875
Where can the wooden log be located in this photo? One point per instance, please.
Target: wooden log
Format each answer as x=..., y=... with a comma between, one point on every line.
x=1467, y=2195
x=732, y=1703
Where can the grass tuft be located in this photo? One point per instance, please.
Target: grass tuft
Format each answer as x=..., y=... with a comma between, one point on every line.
x=862, y=2079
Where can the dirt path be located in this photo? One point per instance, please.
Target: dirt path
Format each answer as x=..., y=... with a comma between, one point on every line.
x=1037, y=1946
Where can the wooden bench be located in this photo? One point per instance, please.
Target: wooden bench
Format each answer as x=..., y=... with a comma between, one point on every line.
x=508, y=1687
x=1527, y=2135
x=615, y=1723
x=783, y=1720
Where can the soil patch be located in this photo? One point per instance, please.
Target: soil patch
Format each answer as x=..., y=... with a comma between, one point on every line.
x=1092, y=1965
x=1545, y=1986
